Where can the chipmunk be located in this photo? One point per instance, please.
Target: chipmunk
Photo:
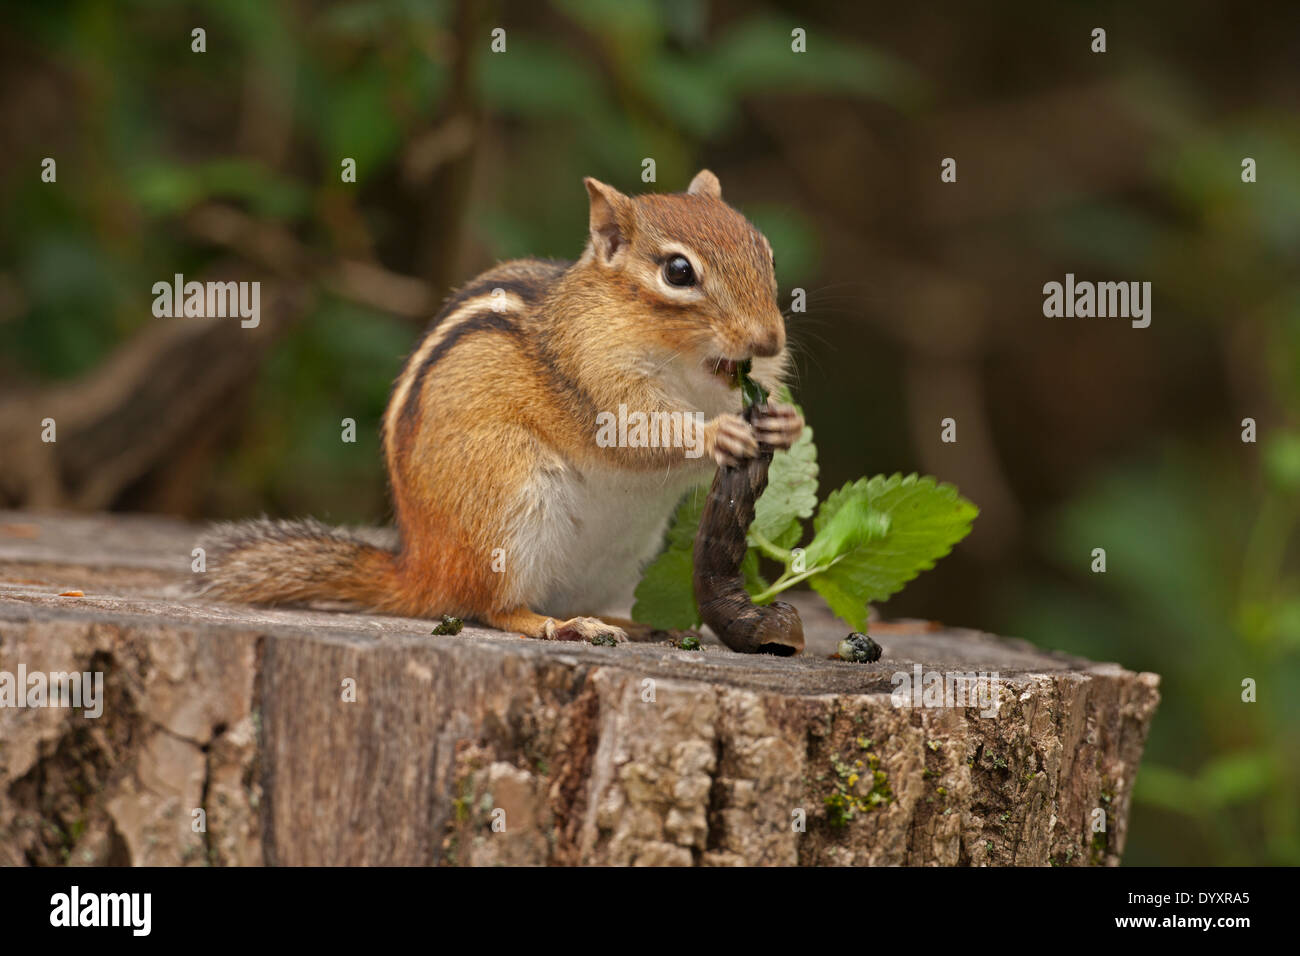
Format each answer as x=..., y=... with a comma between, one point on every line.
x=508, y=510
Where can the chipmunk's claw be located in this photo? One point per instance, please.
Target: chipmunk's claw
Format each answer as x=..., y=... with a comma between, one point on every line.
x=780, y=427
x=734, y=441
x=584, y=629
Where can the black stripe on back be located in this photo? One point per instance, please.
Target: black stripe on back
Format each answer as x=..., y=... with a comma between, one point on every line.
x=486, y=321
x=530, y=285
x=527, y=288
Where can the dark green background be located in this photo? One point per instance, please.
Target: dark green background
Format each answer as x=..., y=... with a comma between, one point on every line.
x=924, y=298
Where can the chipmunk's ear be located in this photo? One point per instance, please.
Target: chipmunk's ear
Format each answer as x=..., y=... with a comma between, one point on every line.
x=705, y=184
x=610, y=218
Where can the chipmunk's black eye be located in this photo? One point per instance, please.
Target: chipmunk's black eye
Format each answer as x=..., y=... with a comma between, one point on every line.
x=678, y=271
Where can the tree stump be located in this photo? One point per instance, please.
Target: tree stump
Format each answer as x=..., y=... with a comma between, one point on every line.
x=485, y=748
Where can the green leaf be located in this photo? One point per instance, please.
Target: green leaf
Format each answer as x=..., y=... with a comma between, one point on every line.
x=665, y=598
x=879, y=533
x=755, y=583
x=847, y=524
x=686, y=520
x=791, y=493
x=751, y=391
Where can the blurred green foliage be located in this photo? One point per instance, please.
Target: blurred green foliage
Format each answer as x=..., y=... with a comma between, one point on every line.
x=1180, y=598
x=159, y=134
x=1200, y=529
x=1201, y=583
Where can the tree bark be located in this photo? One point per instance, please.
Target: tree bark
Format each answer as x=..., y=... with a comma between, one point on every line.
x=639, y=754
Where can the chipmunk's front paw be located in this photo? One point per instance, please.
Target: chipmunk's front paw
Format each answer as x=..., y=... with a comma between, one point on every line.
x=590, y=629
x=732, y=440
x=780, y=427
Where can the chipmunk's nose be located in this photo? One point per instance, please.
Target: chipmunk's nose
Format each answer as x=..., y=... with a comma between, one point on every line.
x=770, y=342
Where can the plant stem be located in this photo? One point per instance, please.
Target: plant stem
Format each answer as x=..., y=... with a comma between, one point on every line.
x=788, y=580
x=770, y=548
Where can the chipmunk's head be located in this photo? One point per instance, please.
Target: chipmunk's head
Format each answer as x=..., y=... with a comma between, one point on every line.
x=694, y=275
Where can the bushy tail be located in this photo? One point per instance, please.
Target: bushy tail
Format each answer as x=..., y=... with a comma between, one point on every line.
x=265, y=561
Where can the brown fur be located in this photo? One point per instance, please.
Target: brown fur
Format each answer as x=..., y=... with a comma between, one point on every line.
x=488, y=400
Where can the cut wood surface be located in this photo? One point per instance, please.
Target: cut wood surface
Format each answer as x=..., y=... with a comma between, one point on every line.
x=637, y=754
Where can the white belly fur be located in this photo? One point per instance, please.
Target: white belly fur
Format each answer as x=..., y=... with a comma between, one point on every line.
x=586, y=536
x=582, y=537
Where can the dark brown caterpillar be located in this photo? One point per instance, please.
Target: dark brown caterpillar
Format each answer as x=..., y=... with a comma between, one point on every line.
x=720, y=547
